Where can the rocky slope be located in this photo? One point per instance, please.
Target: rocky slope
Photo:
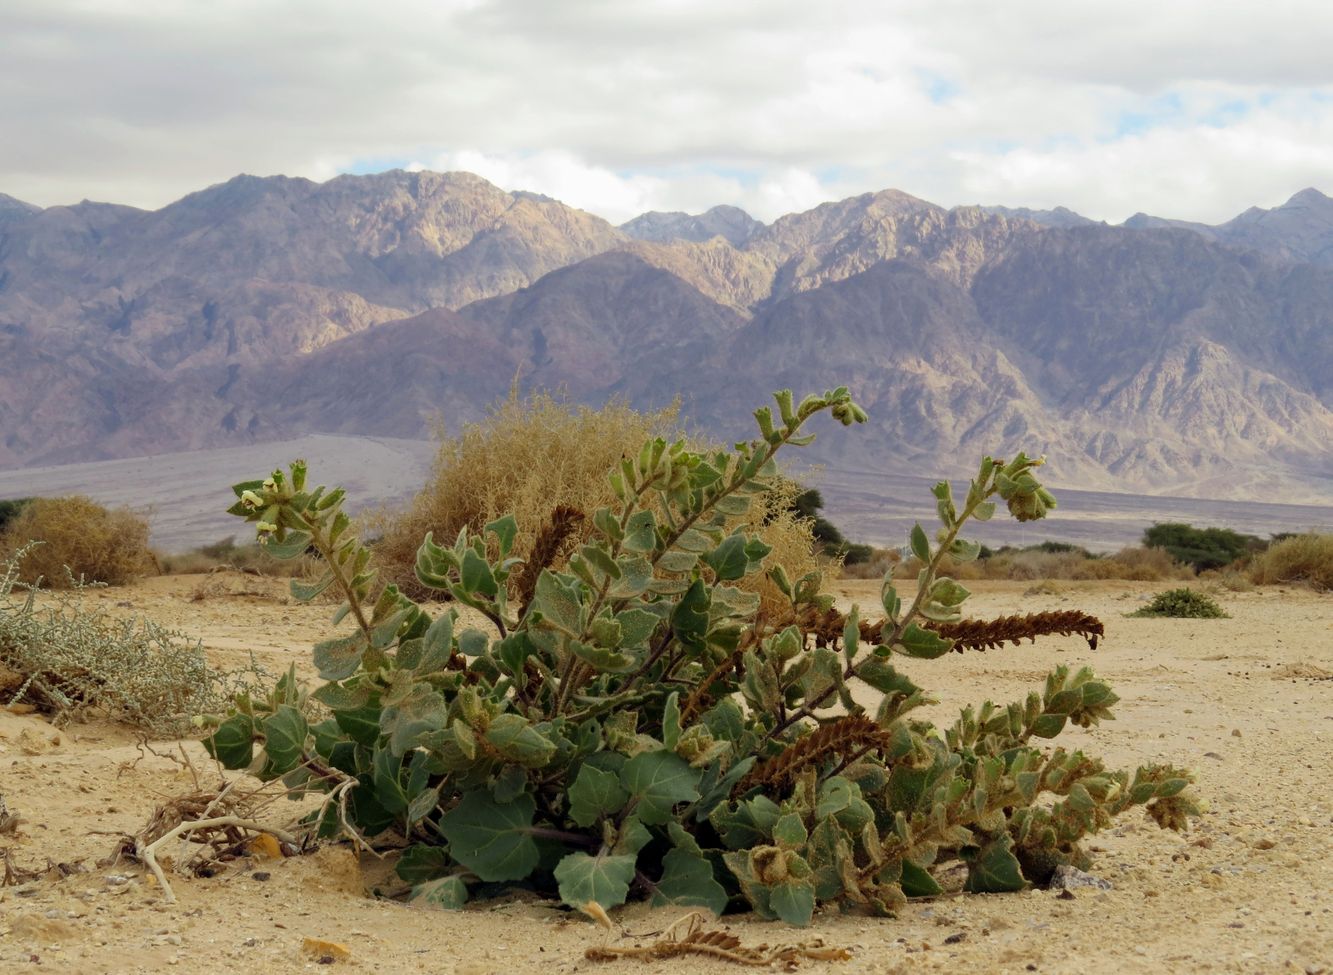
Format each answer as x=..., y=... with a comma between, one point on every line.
x=1150, y=356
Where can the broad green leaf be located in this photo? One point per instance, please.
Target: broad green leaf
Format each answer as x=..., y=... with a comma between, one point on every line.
x=445, y=894
x=437, y=646
x=362, y=724
x=659, y=780
x=789, y=831
x=477, y=577
x=595, y=794
x=917, y=881
x=284, y=740
x=636, y=626
x=728, y=560
x=688, y=881
x=419, y=712
x=491, y=839
x=338, y=659
x=920, y=545
x=303, y=591
x=924, y=644
x=604, y=879
x=386, y=772
x=793, y=901
x=994, y=869
x=294, y=545
x=337, y=697
x=422, y=805
x=746, y=824
x=232, y=743
x=636, y=575
x=421, y=862
x=640, y=533
x=558, y=603
x=505, y=530
x=602, y=659
x=671, y=721
x=689, y=620
x=513, y=736
x=693, y=540
x=677, y=561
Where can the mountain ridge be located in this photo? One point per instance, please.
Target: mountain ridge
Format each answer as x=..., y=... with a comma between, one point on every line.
x=1153, y=356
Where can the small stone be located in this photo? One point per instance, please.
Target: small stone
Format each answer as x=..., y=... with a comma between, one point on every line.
x=1264, y=843
x=953, y=939
x=261, y=875
x=1071, y=878
x=1067, y=895
x=1235, y=733
x=116, y=880
x=249, y=943
x=325, y=952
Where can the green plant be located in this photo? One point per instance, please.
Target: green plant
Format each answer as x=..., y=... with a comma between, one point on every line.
x=1201, y=548
x=1183, y=603
x=9, y=510
x=635, y=725
x=81, y=540
x=1304, y=559
x=66, y=660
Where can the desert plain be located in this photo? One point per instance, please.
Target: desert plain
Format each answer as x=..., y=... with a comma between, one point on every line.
x=1246, y=702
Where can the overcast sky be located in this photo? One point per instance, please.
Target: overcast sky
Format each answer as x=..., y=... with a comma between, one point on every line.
x=1174, y=107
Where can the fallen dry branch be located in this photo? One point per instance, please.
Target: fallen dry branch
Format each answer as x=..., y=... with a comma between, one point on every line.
x=148, y=854
x=690, y=936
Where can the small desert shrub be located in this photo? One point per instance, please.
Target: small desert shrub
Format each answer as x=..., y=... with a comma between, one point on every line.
x=880, y=562
x=1182, y=603
x=636, y=724
x=531, y=456
x=1201, y=548
x=66, y=660
x=96, y=544
x=9, y=510
x=1305, y=559
x=528, y=457
x=226, y=554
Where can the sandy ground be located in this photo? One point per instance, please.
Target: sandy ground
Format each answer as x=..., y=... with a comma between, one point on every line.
x=1247, y=702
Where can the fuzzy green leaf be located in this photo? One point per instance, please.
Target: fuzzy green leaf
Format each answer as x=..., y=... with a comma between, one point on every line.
x=492, y=839
x=284, y=740
x=339, y=659
x=444, y=894
x=513, y=736
x=994, y=869
x=688, y=881
x=421, y=862
x=793, y=901
x=659, y=780
x=924, y=644
x=595, y=794
x=232, y=743
x=602, y=878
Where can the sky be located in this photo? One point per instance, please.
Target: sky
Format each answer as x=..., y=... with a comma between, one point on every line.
x=1193, y=109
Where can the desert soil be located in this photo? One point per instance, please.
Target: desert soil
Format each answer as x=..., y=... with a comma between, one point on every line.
x=1246, y=702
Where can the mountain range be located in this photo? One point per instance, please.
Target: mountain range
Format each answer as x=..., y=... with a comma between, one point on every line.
x=1157, y=356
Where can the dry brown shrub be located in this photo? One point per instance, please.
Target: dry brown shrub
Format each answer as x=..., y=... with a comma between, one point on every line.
x=1139, y=564
x=250, y=558
x=1306, y=559
x=530, y=456
x=881, y=561
x=97, y=544
x=527, y=457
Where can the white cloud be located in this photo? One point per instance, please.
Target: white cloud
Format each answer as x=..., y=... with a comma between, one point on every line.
x=1193, y=109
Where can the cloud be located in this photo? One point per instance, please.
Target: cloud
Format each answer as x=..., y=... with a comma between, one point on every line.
x=1190, y=109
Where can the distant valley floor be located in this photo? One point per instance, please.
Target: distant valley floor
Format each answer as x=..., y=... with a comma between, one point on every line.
x=186, y=494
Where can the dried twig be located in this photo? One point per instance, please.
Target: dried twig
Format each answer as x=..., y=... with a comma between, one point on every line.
x=148, y=854
x=689, y=936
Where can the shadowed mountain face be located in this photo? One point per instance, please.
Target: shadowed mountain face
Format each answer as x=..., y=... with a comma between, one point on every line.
x=1152, y=356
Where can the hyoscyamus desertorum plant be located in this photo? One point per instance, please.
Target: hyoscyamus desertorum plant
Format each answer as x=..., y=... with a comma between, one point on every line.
x=631, y=726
